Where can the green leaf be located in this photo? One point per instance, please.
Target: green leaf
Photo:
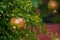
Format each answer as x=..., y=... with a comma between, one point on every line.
x=1, y=11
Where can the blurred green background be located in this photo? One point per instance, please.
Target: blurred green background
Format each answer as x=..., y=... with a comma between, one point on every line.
x=45, y=13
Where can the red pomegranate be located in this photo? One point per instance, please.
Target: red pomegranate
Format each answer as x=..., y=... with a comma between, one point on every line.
x=18, y=22
x=52, y=5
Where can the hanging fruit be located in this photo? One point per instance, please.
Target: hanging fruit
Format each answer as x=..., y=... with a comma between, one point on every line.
x=19, y=23
x=52, y=5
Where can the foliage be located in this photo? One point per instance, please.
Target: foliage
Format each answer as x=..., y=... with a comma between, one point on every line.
x=18, y=8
